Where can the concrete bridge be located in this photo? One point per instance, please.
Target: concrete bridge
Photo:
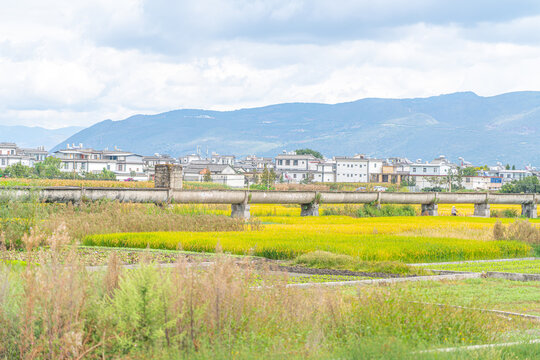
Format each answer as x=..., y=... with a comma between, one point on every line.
x=309, y=200
x=168, y=189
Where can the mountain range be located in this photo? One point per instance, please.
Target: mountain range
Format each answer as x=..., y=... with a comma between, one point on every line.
x=482, y=130
x=32, y=137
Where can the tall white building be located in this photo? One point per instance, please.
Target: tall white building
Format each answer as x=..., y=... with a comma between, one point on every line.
x=357, y=168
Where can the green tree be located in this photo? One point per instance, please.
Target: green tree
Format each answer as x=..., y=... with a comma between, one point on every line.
x=49, y=168
x=18, y=171
x=268, y=178
x=470, y=171
x=530, y=184
x=307, y=151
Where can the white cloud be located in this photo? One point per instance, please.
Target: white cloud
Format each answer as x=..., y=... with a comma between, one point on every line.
x=75, y=63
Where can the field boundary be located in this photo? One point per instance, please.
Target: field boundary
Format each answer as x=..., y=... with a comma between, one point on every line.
x=473, y=261
x=498, y=312
x=450, y=277
x=479, y=347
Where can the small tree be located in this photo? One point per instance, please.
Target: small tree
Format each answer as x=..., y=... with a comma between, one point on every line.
x=207, y=176
x=267, y=178
x=307, y=151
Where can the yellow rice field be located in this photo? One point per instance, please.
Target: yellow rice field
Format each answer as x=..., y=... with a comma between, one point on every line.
x=376, y=239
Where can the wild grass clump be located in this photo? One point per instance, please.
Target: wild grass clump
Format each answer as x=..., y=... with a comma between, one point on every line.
x=521, y=230
x=113, y=217
x=19, y=219
x=370, y=210
x=61, y=311
x=328, y=260
x=504, y=213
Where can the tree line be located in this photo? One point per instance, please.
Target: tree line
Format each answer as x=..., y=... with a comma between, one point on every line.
x=50, y=169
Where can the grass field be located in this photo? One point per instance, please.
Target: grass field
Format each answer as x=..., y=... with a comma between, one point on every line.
x=521, y=266
x=495, y=294
x=371, y=239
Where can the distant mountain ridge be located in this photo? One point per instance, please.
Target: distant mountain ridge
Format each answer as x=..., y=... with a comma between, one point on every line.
x=32, y=137
x=481, y=129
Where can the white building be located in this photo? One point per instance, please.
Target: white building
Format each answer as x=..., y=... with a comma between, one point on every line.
x=221, y=174
x=150, y=162
x=325, y=172
x=510, y=175
x=482, y=183
x=11, y=154
x=357, y=169
x=223, y=159
x=296, y=168
x=187, y=159
x=125, y=165
x=438, y=167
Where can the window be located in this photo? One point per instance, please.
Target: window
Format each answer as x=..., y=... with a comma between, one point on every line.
x=295, y=162
x=287, y=162
x=413, y=169
x=294, y=176
x=425, y=169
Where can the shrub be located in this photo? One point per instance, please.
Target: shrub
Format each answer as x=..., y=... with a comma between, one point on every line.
x=521, y=230
x=371, y=210
x=505, y=213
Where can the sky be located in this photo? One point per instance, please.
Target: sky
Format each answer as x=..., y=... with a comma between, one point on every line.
x=77, y=62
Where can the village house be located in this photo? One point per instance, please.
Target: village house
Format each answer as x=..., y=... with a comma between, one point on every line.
x=219, y=173
x=223, y=159
x=80, y=160
x=356, y=169
x=325, y=172
x=296, y=168
x=11, y=154
x=508, y=175
x=482, y=183
x=150, y=162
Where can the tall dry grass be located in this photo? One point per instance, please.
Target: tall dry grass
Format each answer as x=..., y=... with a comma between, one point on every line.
x=111, y=217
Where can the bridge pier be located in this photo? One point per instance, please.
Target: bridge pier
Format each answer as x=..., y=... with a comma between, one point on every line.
x=482, y=210
x=430, y=209
x=529, y=210
x=240, y=211
x=311, y=209
x=168, y=176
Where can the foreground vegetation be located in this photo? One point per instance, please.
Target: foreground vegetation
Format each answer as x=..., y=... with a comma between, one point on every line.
x=61, y=311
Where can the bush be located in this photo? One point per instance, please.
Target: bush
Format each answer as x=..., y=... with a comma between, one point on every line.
x=506, y=213
x=371, y=210
x=521, y=230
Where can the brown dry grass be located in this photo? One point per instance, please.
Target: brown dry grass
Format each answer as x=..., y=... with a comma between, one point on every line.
x=99, y=218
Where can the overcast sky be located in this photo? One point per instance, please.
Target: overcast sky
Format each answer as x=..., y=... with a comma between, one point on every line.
x=77, y=62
